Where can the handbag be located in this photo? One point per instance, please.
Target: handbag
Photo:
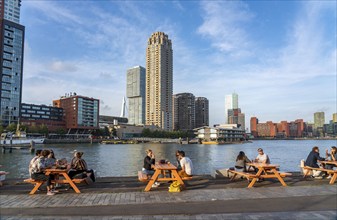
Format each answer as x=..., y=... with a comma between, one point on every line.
x=175, y=187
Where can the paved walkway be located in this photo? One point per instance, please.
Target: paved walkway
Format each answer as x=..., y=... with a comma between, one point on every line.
x=296, y=202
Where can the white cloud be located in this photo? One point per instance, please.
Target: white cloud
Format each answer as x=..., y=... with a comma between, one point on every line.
x=61, y=66
x=222, y=24
x=55, y=12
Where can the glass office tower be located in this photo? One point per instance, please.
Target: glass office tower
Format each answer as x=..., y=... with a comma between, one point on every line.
x=11, y=59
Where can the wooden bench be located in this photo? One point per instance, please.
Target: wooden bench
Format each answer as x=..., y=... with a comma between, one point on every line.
x=308, y=169
x=142, y=177
x=38, y=183
x=245, y=174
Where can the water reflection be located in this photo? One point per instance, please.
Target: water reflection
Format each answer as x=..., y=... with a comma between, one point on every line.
x=126, y=160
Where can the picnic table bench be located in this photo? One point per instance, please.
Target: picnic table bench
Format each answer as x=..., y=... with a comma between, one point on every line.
x=142, y=177
x=60, y=172
x=307, y=169
x=265, y=171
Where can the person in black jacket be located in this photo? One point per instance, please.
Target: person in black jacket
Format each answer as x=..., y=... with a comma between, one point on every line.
x=149, y=162
x=148, y=167
x=311, y=161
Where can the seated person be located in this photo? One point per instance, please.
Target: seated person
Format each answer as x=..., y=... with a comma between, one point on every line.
x=37, y=155
x=262, y=157
x=79, y=166
x=37, y=171
x=51, y=160
x=311, y=161
x=186, y=165
x=149, y=162
x=241, y=160
x=148, y=167
x=332, y=156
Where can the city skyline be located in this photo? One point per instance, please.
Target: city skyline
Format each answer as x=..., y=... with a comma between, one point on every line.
x=279, y=57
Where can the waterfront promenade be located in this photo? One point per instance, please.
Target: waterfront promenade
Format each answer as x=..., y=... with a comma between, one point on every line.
x=205, y=198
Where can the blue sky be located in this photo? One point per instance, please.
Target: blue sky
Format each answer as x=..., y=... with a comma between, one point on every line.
x=278, y=56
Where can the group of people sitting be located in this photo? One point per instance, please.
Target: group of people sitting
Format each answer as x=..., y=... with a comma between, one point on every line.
x=184, y=165
x=314, y=157
x=242, y=160
x=45, y=159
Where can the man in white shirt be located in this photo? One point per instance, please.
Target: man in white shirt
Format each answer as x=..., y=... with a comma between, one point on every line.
x=262, y=157
x=186, y=165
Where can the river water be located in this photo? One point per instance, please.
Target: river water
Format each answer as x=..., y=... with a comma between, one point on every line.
x=127, y=159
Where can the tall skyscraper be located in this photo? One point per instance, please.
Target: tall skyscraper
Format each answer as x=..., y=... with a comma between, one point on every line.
x=319, y=120
x=201, y=112
x=183, y=111
x=11, y=59
x=231, y=102
x=159, y=81
x=135, y=91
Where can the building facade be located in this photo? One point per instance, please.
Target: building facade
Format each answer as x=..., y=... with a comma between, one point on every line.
x=319, y=120
x=183, y=111
x=11, y=59
x=135, y=92
x=36, y=115
x=80, y=112
x=201, y=112
x=159, y=81
x=231, y=102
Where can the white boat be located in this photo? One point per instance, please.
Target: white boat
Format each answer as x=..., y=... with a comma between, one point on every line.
x=19, y=138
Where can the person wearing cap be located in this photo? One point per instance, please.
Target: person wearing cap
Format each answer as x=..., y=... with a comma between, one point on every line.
x=262, y=157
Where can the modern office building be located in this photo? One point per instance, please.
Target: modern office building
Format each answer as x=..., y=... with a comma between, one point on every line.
x=80, y=113
x=159, y=81
x=135, y=92
x=231, y=102
x=201, y=112
x=183, y=111
x=37, y=115
x=11, y=59
x=319, y=120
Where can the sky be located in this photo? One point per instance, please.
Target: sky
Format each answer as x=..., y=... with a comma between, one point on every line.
x=278, y=56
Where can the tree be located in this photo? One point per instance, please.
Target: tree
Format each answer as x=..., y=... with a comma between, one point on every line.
x=11, y=127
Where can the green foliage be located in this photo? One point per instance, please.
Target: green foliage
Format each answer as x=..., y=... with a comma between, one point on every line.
x=101, y=132
x=60, y=131
x=167, y=134
x=2, y=129
x=11, y=127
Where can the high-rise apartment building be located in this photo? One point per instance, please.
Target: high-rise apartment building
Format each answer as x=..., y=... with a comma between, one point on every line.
x=135, y=92
x=80, y=112
x=11, y=59
x=159, y=81
x=231, y=102
x=201, y=112
x=183, y=111
x=319, y=120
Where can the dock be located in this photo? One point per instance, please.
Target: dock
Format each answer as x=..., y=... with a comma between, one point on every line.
x=205, y=198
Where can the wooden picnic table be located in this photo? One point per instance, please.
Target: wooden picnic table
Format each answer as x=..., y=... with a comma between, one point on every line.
x=266, y=171
x=164, y=169
x=330, y=162
x=59, y=172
